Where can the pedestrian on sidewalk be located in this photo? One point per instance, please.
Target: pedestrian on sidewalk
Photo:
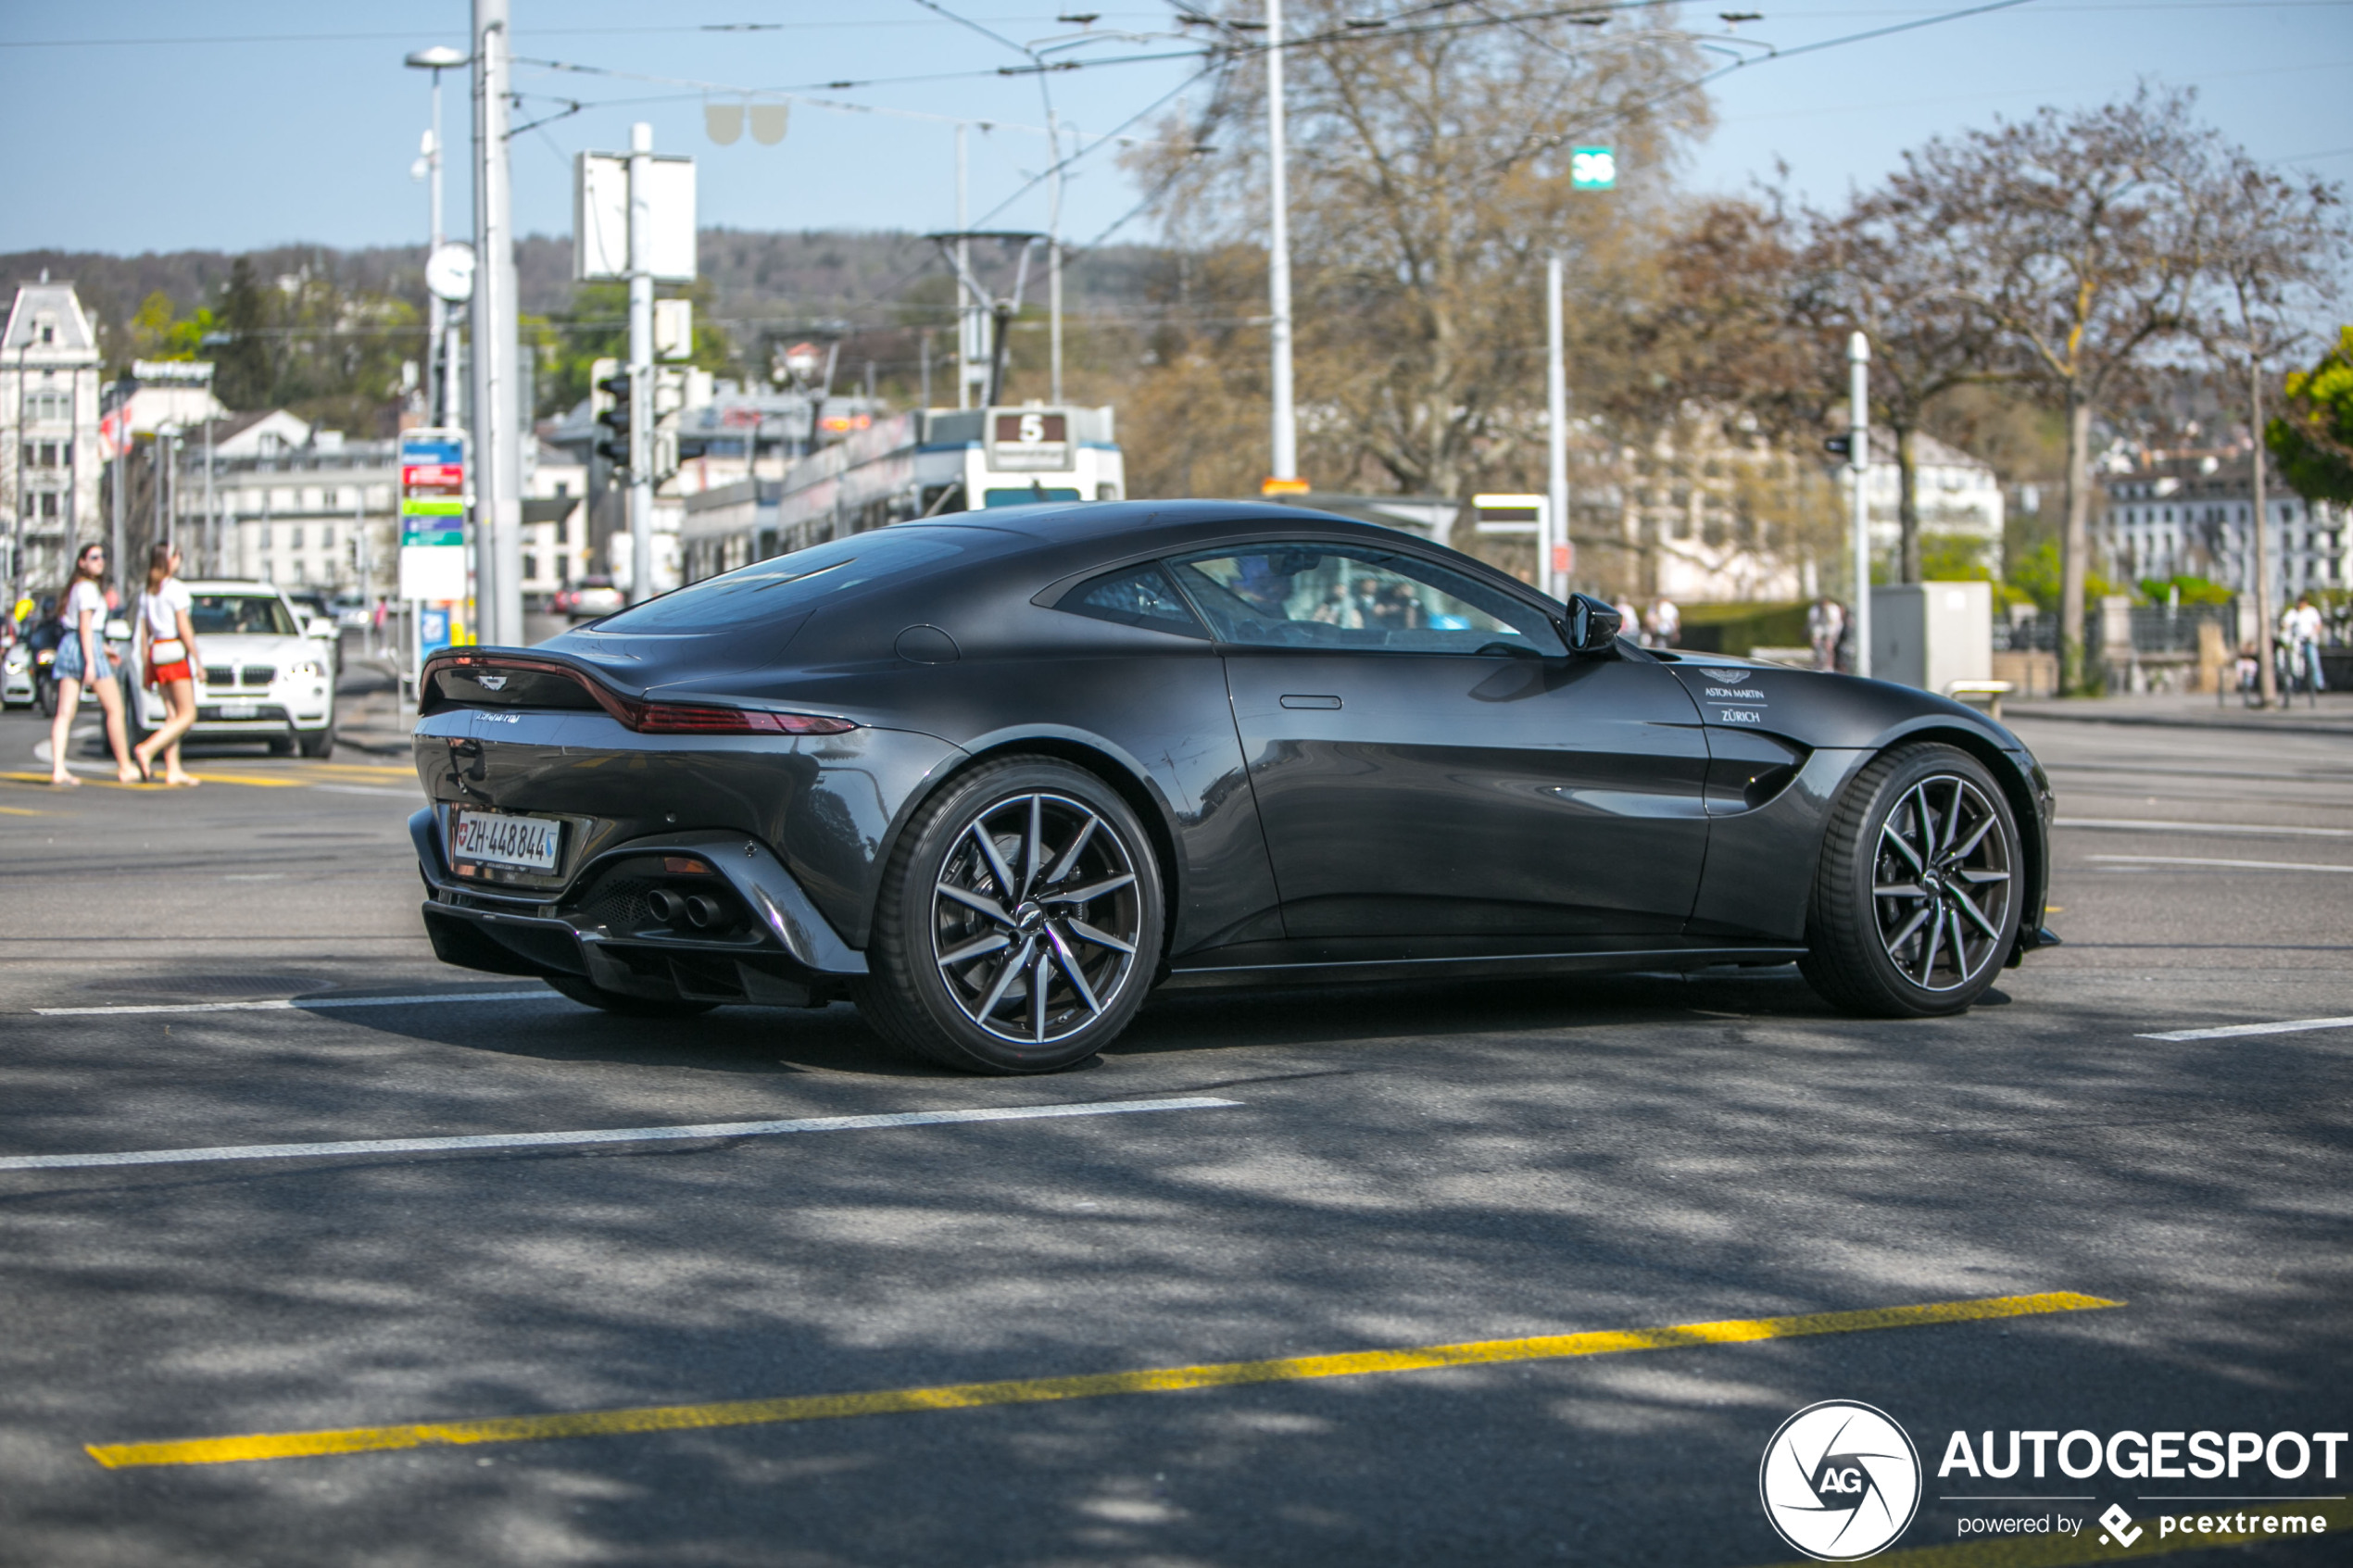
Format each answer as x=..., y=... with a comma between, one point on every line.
x=1825, y=625
x=167, y=653
x=2301, y=632
x=85, y=663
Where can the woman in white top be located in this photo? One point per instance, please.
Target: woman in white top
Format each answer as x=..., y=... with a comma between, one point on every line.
x=84, y=664
x=168, y=650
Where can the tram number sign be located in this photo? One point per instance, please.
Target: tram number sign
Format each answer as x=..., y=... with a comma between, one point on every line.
x=1029, y=440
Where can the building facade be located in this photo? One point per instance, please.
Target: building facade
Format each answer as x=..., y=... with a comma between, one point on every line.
x=277, y=500
x=49, y=390
x=2193, y=517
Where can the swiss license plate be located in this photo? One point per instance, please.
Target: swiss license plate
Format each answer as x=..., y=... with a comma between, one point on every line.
x=240, y=711
x=496, y=839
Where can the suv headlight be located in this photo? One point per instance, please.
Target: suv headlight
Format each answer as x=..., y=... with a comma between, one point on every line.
x=302, y=667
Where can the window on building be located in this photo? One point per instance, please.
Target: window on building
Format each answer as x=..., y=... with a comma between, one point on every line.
x=294, y=542
x=330, y=499
x=48, y=504
x=49, y=405
x=531, y=567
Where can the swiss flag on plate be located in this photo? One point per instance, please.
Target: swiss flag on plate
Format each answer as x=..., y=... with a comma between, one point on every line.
x=114, y=433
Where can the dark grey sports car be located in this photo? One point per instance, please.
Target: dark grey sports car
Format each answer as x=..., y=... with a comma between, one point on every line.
x=998, y=775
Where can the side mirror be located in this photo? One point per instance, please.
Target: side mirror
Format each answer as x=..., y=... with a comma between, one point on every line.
x=118, y=629
x=320, y=627
x=1592, y=625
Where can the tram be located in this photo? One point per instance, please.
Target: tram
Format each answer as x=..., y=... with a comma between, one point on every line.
x=921, y=463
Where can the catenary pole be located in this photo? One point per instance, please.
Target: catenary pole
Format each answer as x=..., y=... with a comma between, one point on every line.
x=1054, y=259
x=641, y=363
x=1551, y=570
x=438, y=388
x=1859, y=464
x=498, y=410
x=1285, y=427
x=121, y=541
x=2267, y=680
x=965, y=329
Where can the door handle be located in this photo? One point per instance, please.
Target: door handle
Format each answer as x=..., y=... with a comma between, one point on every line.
x=1295, y=699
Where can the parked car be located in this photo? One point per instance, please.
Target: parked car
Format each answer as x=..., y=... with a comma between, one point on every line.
x=265, y=675
x=316, y=617
x=589, y=598
x=351, y=612
x=996, y=776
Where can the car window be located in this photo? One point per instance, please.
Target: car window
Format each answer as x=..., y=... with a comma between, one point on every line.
x=767, y=588
x=1134, y=596
x=248, y=615
x=1316, y=596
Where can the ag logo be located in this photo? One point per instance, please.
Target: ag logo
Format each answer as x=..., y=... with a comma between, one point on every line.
x=1840, y=1481
x=1728, y=677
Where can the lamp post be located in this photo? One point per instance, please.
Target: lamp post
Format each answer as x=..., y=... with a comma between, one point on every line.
x=1285, y=468
x=440, y=392
x=496, y=406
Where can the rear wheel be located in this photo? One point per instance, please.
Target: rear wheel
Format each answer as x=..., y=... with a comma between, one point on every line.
x=1019, y=922
x=622, y=1005
x=1916, y=900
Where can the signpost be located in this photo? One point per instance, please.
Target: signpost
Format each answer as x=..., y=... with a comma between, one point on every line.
x=434, y=500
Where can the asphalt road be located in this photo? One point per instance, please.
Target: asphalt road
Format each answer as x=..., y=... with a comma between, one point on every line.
x=1397, y=1167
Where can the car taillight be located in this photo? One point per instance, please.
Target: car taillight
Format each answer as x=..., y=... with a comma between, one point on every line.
x=710, y=719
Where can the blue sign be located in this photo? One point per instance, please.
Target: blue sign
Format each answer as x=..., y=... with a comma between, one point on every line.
x=433, y=628
x=417, y=453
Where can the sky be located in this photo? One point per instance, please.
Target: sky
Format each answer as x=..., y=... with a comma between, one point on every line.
x=243, y=123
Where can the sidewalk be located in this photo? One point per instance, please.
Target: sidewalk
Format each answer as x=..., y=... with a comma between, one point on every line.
x=2333, y=716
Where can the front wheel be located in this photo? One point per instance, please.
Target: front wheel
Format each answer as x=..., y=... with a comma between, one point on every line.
x=1917, y=897
x=317, y=743
x=1019, y=922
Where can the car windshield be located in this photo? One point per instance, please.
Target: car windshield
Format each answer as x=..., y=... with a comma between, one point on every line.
x=765, y=589
x=256, y=615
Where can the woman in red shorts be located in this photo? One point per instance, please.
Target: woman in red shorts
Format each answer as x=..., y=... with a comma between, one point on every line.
x=168, y=648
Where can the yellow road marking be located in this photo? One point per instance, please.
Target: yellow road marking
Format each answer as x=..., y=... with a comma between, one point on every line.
x=20, y=812
x=42, y=780
x=260, y=781
x=378, y=769
x=2063, y=1551
x=1086, y=1385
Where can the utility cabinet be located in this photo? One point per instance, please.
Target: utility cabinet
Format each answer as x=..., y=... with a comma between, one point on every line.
x=1930, y=635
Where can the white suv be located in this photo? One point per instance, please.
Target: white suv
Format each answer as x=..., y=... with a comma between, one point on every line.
x=267, y=675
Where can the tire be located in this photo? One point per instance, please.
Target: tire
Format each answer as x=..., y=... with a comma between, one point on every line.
x=621, y=1006
x=316, y=743
x=45, y=697
x=1921, y=846
x=1065, y=974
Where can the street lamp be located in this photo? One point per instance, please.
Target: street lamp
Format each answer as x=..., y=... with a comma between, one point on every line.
x=438, y=58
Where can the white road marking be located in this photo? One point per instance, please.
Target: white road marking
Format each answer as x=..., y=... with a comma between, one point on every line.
x=2288, y=1026
x=607, y=1134
x=305, y=1004
x=371, y=789
x=2240, y=865
x=2253, y=829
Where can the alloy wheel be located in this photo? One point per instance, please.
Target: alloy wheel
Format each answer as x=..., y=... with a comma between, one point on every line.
x=1941, y=883
x=1035, y=917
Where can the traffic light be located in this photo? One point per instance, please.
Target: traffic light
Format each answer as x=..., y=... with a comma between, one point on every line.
x=612, y=412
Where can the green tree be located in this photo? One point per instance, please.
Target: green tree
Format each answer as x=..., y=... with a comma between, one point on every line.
x=245, y=377
x=2313, y=438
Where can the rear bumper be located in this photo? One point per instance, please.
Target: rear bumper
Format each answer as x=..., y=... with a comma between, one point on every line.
x=779, y=952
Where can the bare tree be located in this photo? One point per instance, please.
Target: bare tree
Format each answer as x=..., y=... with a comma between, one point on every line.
x=2071, y=233
x=1885, y=268
x=2273, y=246
x=1430, y=178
